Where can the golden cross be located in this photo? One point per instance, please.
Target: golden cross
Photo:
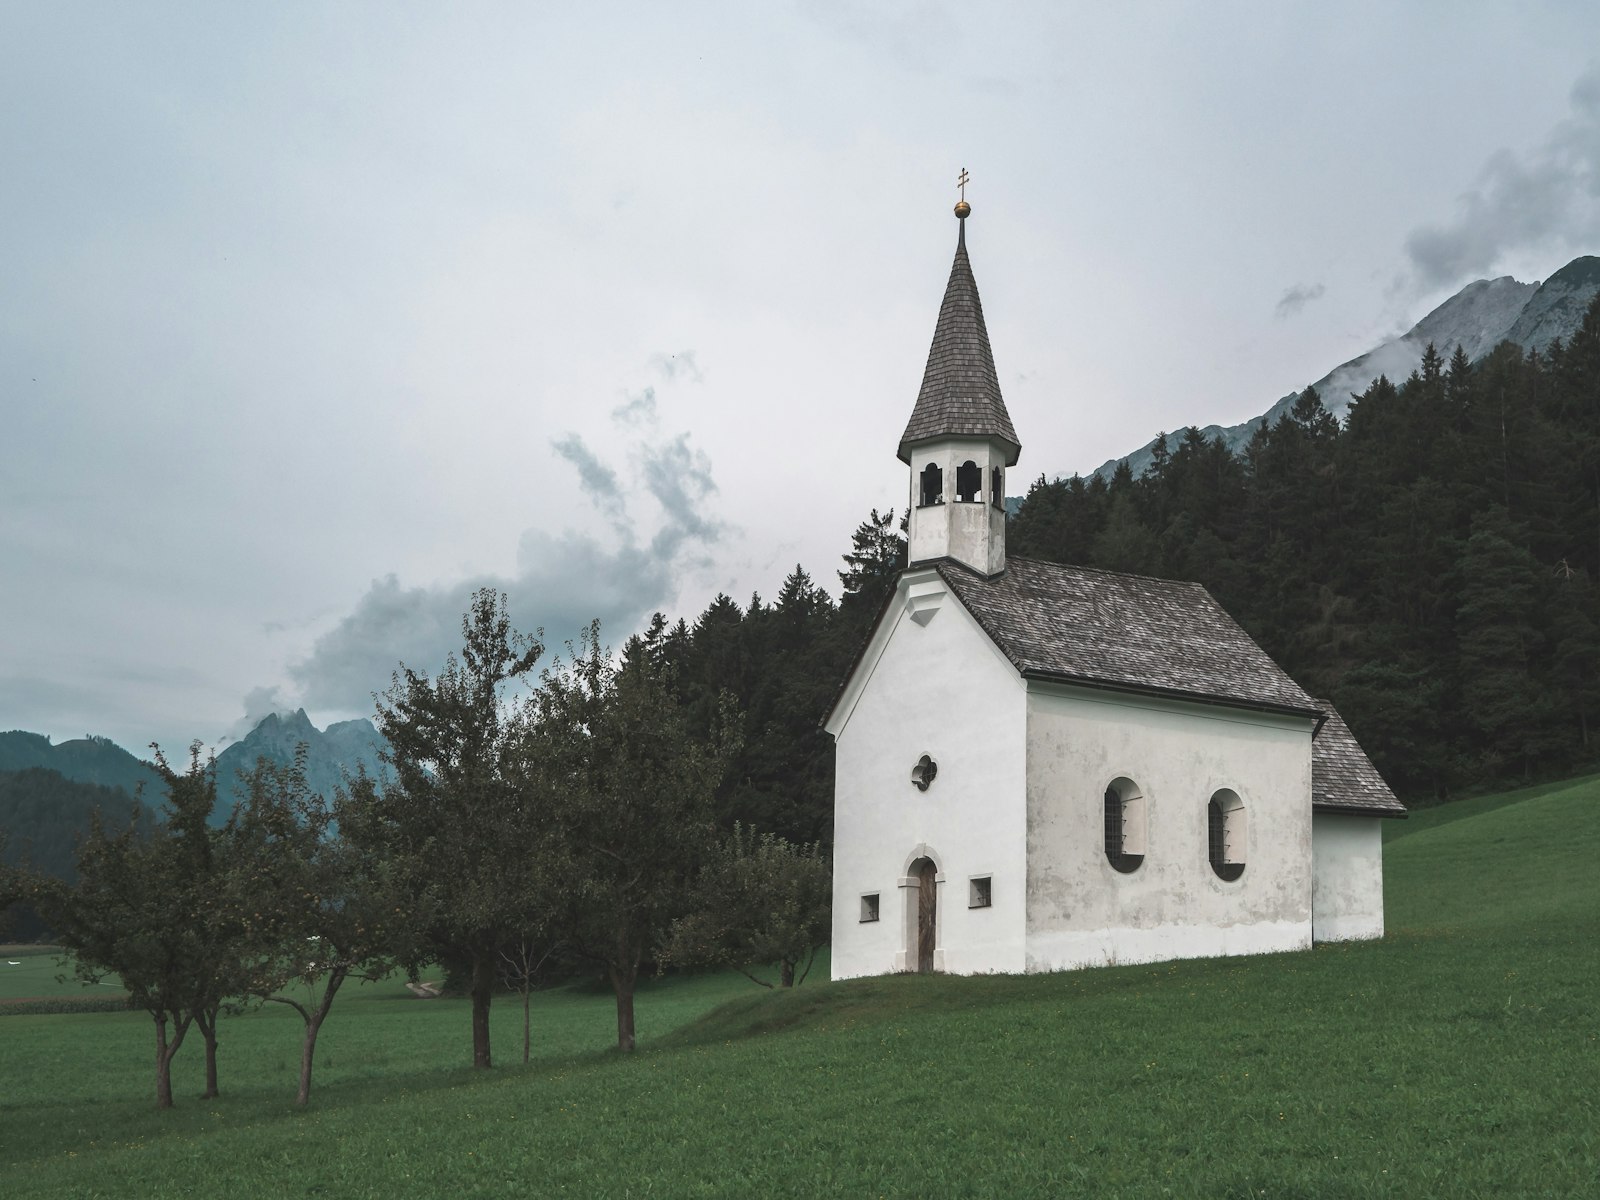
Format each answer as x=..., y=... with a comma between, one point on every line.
x=962, y=183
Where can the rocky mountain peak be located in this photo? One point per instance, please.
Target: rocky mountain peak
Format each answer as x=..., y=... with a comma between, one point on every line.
x=343, y=747
x=1556, y=309
x=1477, y=318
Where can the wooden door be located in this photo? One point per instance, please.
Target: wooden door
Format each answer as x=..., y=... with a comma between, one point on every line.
x=927, y=914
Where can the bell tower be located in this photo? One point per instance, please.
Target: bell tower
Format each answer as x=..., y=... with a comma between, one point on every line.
x=959, y=440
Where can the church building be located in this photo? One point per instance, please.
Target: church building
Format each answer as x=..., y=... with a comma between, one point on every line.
x=1042, y=767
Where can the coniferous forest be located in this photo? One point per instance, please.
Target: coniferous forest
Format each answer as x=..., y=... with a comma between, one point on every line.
x=1429, y=565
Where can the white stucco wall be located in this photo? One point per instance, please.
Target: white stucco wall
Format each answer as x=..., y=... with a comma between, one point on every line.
x=931, y=683
x=973, y=533
x=1083, y=912
x=1347, y=881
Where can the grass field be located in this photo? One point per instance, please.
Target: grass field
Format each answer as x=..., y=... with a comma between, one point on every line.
x=34, y=973
x=1457, y=1058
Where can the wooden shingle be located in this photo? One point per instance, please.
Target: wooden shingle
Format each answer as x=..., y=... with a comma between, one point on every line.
x=1125, y=632
x=1343, y=779
x=960, y=393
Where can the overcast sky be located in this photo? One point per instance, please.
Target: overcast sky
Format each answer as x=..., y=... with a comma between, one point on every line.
x=314, y=317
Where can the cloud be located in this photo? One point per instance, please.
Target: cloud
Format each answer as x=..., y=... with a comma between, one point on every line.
x=680, y=365
x=680, y=479
x=1549, y=198
x=1396, y=359
x=639, y=409
x=598, y=481
x=1297, y=297
x=916, y=36
x=563, y=580
x=390, y=624
x=259, y=703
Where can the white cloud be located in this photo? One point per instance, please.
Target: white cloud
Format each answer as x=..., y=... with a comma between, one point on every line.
x=562, y=581
x=1548, y=198
x=1297, y=297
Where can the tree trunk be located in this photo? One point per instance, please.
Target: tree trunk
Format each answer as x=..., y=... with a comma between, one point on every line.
x=786, y=974
x=308, y=1051
x=527, y=995
x=165, y=1052
x=482, y=993
x=207, y=1021
x=308, y=1048
x=622, y=981
x=163, y=1066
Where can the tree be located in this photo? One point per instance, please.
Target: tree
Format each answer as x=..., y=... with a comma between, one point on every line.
x=13, y=886
x=156, y=912
x=521, y=964
x=1126, y=543
x=1500, y=641
x=877, y=554
x=638, y=792
x=324, y=910
x=218, y=939
x=762, y=900
x=464, y=832
x=1576, y=647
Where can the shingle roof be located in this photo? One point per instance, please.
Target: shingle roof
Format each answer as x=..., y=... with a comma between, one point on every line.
x=1343, y=778
x=960, y=391
x=1125, y=632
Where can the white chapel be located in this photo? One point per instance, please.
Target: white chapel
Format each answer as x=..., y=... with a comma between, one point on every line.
x=1042, y=767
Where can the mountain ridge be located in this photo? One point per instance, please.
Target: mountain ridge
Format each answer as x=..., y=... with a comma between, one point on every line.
x=330, y=752
x=1478, y=318
x=342, y=746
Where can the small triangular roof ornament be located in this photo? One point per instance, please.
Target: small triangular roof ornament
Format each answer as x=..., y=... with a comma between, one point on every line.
x=960, y=393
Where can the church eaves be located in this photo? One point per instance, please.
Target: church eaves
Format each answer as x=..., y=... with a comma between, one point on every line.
x=960, y=394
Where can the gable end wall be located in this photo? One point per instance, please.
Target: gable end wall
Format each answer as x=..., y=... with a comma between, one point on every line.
x=938, y=687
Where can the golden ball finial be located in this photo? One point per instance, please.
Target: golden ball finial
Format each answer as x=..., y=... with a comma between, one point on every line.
x=962, y=209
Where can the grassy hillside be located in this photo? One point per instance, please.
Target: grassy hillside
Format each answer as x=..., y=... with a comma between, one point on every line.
x=1458, y=1057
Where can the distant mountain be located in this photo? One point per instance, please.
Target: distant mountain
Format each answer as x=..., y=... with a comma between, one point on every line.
x=97, y=760
x=342, y=747
x=1556, y=309
x=44, y=815
x=90, y=759
x=1477, y=318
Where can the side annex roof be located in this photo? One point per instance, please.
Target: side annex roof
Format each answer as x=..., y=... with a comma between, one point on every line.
x=1343, y=779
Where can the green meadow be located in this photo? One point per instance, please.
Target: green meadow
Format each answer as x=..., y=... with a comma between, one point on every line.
x=1458, y=1057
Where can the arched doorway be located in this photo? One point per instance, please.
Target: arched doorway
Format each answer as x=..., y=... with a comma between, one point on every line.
x=926, y=929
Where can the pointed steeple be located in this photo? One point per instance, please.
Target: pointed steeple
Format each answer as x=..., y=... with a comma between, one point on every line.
x=960, y=440
x=960, y=394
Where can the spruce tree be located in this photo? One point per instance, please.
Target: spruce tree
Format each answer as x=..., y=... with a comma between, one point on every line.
x=1500, y=644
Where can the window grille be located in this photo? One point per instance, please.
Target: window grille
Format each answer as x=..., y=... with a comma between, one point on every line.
x=1116, y=834
x=1219, y=837
x=1113, y=825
